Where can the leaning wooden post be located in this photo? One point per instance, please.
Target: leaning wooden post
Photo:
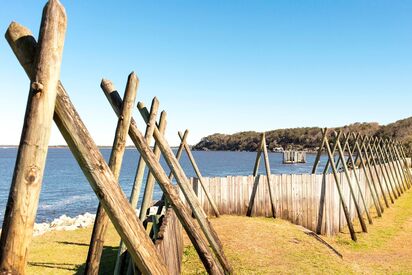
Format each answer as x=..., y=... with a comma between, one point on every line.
x=372, y=157
x=335, y=147
x=191, y=198
x=357, y=179
x=346, y=171
x=150, y=181
x=401, y=156
x=317, y=159
x=384, y=170
x=344, y=207
x=388, y=162
x=268, y=175
x=257, y=161
x=92, y=162
x=397, y=165
x=27, y=178
x=180, y=150
x=115, y=163
x=256, y=180
x=169, y=190
x=404, y=174
x=199, y=175
x=376, y=201
x=120, y=265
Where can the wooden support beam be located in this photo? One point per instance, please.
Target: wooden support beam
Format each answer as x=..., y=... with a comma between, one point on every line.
x=357, y=181
x=338, y=187
x=150, y=181
x=21, y=209
x=257, y=161
x=401, y=156
x=268, y=175
x=122, y=256
x=335, y=147
x=92, y=162
x=180, y=150
x=348, y=178
x=396, y=163
x=372, y=157
x=115, y=163
x=384, y=171
x=387, y=162
x=255, y=175
x=170, y=192
x=318, y=155
x=198, y=174
x=373, y=191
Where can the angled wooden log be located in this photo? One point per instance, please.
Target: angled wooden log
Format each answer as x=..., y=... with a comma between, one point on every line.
x=268, y=176
x=21, y=209
x=398, y=167
x=120, y=266
x=371, y=186
x=199, y=175
x=180, y=150
x=398, y=149
x=173, y=198
x=386, y=162
x=255, y=175
x=318, y=155
x=92, y=162
x=357, y=181
x=338, y=187
x=150, y=181
x=352, y=192
x=335, y=147
x=115, y=163
x=374, y=164
x=191, y=198
x=382, y=168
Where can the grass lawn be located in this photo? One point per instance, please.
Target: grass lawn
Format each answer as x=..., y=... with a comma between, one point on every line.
x=258, y=246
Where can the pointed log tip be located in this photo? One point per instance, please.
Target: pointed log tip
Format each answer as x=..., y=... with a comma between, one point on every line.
x=155, y=101
x=163, y=114
x=140, y=105
x=133, y=76
x=107, y=85
x=16, y=30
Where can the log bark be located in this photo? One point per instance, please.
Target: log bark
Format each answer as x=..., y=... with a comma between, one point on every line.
x=168, y=189
x=27, y=178
x=92, y=163
x=199, y=175
x=120, y=267
x=115, y=163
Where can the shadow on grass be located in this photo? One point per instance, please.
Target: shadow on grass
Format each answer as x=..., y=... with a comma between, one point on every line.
x=106, y=266
x=107, y=261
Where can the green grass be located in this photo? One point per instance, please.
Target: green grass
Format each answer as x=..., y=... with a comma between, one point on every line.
x=258, y=246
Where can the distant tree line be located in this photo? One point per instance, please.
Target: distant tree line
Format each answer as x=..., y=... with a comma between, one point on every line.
x=307, y=138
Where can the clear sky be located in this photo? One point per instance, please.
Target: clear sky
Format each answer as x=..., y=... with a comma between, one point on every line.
x=225, y=66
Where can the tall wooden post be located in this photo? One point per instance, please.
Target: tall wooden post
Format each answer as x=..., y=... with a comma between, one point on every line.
x=388, y=163
x=92, y=162
x=398, y=167
x=27, y=178
x=115, y=163
x=338, y=187
x=355, y=201
x=401, y=156
x=384, y=171
x=317, y=159
x=150, y=181
x=268, y=175
x=171, y=194
x=347, y=145
x=120, y=266
x=198, y=174
x=374, y=195
x=372, y=157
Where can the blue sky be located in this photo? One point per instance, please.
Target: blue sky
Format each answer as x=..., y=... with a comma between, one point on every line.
x=225, y=66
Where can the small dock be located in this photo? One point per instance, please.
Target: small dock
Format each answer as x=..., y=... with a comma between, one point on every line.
x=290, y=157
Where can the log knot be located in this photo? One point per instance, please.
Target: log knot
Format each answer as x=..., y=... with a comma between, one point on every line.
x=37, y=86
x=32, y=175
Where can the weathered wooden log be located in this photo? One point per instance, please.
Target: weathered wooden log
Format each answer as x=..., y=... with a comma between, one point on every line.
x=27, y=178
x=385, y=163
x=268, y=175
x=150, y=181
x=166, y=185
x=338, y=187
x=185, y=187
x=352, y=192
x=115, y=163
x=120, y=266
x=317, y=159
x=382, y=168
x=257, y=160
x=92, y=162
x=198, y=174
x=398, y=149
x=395, y=163
x=357, y=181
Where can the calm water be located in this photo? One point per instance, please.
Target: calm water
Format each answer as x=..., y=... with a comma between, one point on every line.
x=65, y=189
